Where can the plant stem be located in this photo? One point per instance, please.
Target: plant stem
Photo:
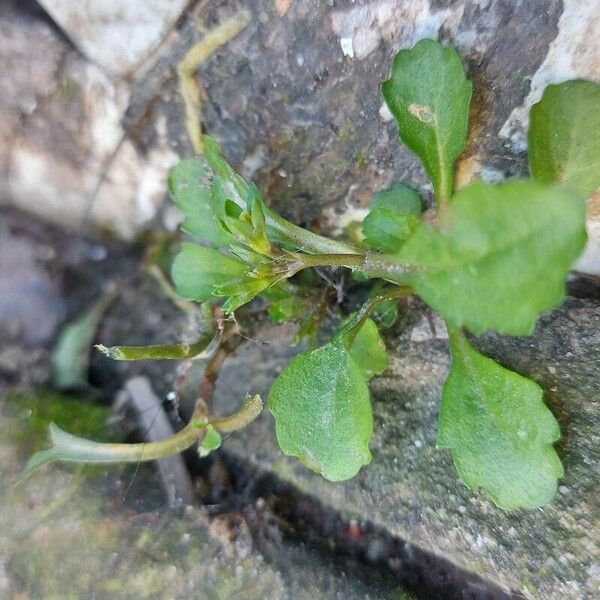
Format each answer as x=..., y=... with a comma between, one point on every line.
x=351, y=261
x=352, y=327
x=70, y=448
x=202, y=348
x=444, y=192
x=371, y=264
x=385, y=266
x=251, y=408
x=305, y=240
x=229, y=341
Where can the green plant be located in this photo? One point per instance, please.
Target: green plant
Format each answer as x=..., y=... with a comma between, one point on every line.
x=488, y=257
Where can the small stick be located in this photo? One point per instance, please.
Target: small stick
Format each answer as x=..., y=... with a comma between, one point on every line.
x=175, y=478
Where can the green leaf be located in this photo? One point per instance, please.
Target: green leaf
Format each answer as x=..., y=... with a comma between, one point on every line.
x=249, y=228
x=500, y=256
x=499, y=430
x=280, y=291
x=70, y=357
x=286, y=309
x=285, y=302
x=368, y=350
x=210, y=442
x=241, y=291
x=386, y=313
x=429, y=96
x=198, y=270
x=310, y=323
x=388, y=229
x=228, y=184
x=564, y=136
x=322, y=412
x=209, y=192
x=400, y=198
x=393, y=217
x=190, y=187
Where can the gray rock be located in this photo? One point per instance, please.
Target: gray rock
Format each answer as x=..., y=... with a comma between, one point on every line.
x=118, y=36
x=294, y=99
x=103, y=533
x=31, y=305
x=64, y=155
x=412, y=489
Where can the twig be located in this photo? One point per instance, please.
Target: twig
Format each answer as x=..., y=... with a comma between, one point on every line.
x=174, y=475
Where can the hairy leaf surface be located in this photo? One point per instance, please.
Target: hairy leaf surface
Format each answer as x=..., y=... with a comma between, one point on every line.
x=322, y=412
x=499, y=430
x=197, y=270
x=564, y=136
x=429, y=96
x=500, y=256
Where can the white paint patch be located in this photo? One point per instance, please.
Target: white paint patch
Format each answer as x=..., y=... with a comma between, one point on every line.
x=401, y=24
x=574, y=53
x=337, y=222
x=347, y=46
x=385, y=113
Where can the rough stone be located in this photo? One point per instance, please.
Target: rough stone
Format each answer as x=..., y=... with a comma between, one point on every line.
x=64, y=157
x=119, y=36
x=83, y=532
x=412, y=489
x=573, y=54
x=304, y=120
x=31, y=305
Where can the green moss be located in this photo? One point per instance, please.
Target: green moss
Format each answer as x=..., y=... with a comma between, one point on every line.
x=360, y=159
x=37, y=410
x=346, y=132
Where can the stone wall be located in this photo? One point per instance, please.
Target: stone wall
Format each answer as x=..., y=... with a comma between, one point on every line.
x=93, y=122
x=294, y=100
